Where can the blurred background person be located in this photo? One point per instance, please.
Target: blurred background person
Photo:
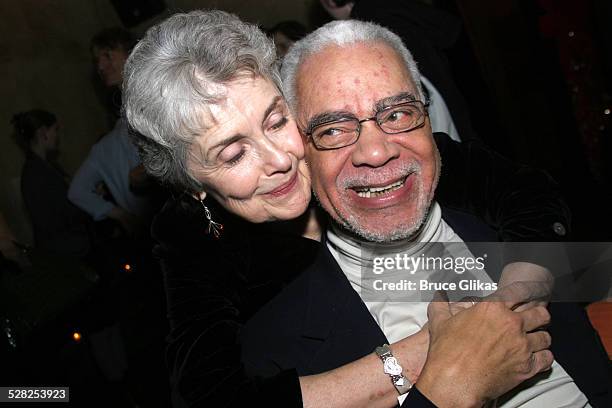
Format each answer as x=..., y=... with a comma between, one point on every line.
x=9, y=249
x=285, y=34
x=59, y=227
x=106, y=183
x=428, y=33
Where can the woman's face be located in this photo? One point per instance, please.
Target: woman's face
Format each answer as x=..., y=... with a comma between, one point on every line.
x=51, y=138
x=251, y=159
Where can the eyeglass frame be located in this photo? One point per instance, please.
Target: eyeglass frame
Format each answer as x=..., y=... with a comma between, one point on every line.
x=425, y=112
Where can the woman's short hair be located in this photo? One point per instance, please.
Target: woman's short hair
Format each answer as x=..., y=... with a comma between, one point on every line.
x=175, y=71
x=26, y=124
x=342, y=33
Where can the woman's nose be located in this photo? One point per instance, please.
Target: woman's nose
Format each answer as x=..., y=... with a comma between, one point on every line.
x=277, y=158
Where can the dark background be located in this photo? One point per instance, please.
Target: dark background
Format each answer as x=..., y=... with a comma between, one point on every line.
x=535, y=75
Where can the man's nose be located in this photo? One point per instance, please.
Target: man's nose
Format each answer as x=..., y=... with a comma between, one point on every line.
x=373, y=147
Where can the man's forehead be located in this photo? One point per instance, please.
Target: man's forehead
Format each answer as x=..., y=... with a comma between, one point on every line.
x=366, y=76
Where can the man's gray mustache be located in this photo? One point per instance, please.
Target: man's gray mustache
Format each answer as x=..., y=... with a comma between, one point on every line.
x=381, y=175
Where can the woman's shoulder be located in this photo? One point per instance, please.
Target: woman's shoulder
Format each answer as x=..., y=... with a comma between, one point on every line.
x=182, y=223
x=246, y=251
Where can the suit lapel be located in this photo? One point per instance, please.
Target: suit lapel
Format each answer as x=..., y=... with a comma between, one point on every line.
x=338, y=328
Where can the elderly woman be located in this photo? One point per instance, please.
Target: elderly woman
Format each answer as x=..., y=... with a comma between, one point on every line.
x=203, y=92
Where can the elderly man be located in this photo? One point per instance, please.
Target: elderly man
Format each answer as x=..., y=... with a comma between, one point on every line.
x=355, y=90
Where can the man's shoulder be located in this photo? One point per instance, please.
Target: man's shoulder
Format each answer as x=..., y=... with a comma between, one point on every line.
x=468, y=226
x=114, y=142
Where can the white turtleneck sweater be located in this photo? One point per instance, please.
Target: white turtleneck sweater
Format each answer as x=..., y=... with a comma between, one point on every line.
x=399, y=319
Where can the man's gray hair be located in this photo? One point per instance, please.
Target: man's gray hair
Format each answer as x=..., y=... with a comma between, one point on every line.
x=342, y=33
x=175, y=72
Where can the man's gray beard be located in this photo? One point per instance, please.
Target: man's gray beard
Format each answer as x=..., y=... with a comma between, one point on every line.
x=402, y=232
x=352, y=225
x=410, y=231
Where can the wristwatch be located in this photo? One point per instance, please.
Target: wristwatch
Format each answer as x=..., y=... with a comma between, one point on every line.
x=393, y=369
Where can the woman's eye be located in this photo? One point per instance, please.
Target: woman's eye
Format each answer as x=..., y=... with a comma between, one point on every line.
x=236, y=159
x=231, y=154
x=279, y=123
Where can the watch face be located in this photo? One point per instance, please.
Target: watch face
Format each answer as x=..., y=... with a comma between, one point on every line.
x=392, y=367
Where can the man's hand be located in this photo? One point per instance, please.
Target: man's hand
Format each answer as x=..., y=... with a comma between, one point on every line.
x=130, y=223
x=482, y=352
x=526, y=286
x=13, y=253
x=139, y=180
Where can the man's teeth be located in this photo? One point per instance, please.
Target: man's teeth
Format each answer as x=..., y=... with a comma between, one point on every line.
x=369, y=192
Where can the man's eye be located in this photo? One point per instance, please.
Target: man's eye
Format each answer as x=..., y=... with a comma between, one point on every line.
x=331, y=132
x=335, y=130
x=400, y=115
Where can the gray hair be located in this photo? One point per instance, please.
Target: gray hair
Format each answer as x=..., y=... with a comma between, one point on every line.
x=342, y=33
x=175, y=72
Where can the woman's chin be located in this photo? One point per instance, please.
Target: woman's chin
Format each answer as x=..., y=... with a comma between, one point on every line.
x=290, y=210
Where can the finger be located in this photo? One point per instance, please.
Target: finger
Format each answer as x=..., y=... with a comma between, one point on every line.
x=438, y=309
x=517, y=293
x=534, y=318
x=530, y=305
x=538, y=341
x=457, y=307
x=464, y=303
x=542, y=361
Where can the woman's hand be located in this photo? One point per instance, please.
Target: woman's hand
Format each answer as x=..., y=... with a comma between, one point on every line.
x=412, y=353
x=529, y=273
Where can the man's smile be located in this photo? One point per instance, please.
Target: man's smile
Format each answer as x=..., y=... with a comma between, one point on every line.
x=377, y=191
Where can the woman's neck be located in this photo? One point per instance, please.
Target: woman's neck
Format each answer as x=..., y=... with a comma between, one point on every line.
x=39, y=150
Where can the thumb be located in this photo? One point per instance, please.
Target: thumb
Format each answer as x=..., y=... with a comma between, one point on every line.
x=438, y=310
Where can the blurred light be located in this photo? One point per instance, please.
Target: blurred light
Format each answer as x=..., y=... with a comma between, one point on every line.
x=127, y=267
x=571, y=34
x=76, y=336
x=606, y=111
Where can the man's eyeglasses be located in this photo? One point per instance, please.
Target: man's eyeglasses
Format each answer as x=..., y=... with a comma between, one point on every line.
x=399, y=118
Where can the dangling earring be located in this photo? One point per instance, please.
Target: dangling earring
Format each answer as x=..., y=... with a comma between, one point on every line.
x=214, y=228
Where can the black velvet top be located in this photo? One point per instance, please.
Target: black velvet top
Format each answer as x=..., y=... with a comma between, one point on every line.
x=214, y=286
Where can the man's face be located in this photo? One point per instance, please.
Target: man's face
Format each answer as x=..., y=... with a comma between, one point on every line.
x=381, y=187
x=109, y=64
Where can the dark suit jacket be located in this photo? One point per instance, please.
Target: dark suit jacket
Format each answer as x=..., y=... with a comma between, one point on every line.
x=319, y=322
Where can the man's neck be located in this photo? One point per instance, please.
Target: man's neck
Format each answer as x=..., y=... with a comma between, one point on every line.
x=347, y=243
